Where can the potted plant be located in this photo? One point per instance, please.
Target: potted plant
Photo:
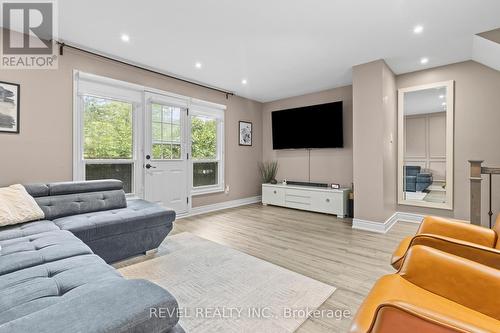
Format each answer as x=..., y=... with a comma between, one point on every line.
x=268, y=171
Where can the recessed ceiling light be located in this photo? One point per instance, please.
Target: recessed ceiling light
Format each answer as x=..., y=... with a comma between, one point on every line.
x=418, y=29
x=125, y=38
x=198, y=65
x=244, y=81
x=423, y=61
x=443, y=104
x=441, y=96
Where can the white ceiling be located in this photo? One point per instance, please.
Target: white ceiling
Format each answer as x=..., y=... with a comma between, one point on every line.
x=282, y=47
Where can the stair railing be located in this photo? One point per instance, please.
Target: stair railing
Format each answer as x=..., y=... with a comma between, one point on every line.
x=476, y=172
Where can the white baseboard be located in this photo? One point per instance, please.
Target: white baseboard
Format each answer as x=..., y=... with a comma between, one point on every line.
x=369, y=226
x=384, y=227
x=222, y=205
x=410, y=217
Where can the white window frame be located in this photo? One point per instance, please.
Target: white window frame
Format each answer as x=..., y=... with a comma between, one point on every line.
x=90, y=85
x=104, y=87
x=201, y=108
x=157, y=98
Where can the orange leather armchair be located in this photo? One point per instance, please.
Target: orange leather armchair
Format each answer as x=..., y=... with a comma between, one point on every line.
x=434, y=292
x=462, y=239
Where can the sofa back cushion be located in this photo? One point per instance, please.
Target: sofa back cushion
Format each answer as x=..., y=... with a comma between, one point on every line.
x=412, y=170
x=72, y=198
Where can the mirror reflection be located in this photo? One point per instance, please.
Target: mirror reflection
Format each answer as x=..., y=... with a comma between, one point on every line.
x=424, y=162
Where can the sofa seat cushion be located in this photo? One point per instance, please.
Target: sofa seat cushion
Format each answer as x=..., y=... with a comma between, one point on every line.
x=81, y=294
x=38, y=249
x=26, y=229
x=424, y=176
x=137, y=216
x=32, y=289
x=111, y=305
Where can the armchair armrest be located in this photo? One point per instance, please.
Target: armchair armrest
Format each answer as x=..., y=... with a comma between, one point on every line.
x=481, y=254
x=460, y=280
x=458, y=230
x=398, y=316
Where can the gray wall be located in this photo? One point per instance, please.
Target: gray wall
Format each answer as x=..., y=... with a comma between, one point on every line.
x=327, y=165
x=374, y=141
x=42, y=152
x=477, y=134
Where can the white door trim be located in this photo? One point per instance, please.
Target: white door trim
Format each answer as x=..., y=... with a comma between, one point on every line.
x=149, y=99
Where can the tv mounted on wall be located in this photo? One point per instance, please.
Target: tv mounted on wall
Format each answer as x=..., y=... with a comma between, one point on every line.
x=316, y=126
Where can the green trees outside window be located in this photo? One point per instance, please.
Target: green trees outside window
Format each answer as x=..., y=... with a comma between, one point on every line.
x=204, y=148
x=108, y=135
x=204, y=138
x=107, y=129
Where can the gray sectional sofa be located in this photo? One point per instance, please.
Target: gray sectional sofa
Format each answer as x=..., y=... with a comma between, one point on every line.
x=54, y=274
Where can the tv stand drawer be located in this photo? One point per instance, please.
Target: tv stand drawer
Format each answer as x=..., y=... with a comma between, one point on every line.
x=322, y=200
x=273, y=196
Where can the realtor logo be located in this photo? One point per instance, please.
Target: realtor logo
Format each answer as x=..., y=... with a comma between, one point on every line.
x=28, y=35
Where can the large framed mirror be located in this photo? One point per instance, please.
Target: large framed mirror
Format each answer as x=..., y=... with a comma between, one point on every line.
x=425, y=145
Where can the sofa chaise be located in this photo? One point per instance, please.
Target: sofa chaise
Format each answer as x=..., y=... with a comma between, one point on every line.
x=98, y=213
x=54, y=273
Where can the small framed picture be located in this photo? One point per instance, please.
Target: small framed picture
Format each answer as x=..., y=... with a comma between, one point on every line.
x=9, y=107
x=245, y=133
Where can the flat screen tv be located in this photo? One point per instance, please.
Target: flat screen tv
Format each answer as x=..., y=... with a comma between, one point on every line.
x=316, y=126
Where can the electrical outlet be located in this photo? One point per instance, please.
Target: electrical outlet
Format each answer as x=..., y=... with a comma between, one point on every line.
x=227, y=189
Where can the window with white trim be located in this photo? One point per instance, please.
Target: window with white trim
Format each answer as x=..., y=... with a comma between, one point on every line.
x=207, y=149
x=105, y=144
x=108, y=140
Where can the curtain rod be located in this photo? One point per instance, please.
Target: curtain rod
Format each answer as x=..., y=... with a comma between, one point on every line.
x=62, y=45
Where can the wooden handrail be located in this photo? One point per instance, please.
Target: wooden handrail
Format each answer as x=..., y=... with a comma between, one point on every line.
x=490, y=171
x=475, y=192
x=476, y=170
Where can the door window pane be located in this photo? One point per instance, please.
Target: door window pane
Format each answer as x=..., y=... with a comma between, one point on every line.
x=176, y=151
x=107, y=129
x=166, y=132
x=122, y=172
x=176, y=116
x=175, y=133
x=157, y=135
x=156, y=112
x=205, y=174
x=167, y=115
x=204, y=137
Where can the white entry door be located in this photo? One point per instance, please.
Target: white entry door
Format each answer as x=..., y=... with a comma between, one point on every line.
x=166, y=158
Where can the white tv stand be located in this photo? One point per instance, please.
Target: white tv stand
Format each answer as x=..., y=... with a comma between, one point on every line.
x=316, y=199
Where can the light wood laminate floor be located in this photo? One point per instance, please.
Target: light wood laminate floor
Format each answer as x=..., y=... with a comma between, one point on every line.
x=316, y=245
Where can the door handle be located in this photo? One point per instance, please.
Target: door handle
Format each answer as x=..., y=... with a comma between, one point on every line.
x=149, y=166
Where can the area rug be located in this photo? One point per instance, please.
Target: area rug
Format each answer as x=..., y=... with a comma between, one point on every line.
x=220, y=289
